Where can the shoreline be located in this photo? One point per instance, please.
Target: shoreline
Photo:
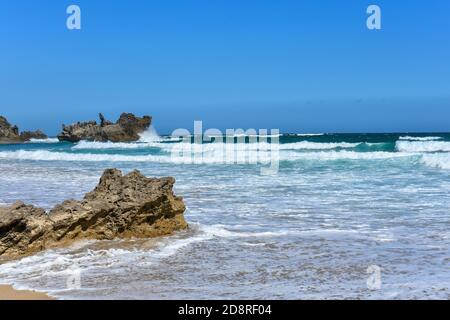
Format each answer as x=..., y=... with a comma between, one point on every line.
x=7, y=292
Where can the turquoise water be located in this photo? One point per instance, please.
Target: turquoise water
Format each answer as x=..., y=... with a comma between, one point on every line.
x=336, y=205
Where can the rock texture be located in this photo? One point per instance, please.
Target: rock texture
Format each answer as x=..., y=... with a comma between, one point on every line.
x=126, y=129
x=28, y=135
x=10, y=133
x=119, y=207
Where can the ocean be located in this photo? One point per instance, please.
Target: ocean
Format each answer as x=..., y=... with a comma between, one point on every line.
x=345, y=216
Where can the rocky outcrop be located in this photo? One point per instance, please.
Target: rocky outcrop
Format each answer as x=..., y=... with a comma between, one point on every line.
x=28, y=135
x=10, y=133
x=119, y=207
x=126, y=129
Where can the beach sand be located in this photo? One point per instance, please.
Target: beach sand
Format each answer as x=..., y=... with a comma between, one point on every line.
x=8, y=293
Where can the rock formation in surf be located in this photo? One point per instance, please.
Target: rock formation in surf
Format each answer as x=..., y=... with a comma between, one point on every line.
x=10, y=133
x=28, y=135
x=121, y=206
x=126, y=129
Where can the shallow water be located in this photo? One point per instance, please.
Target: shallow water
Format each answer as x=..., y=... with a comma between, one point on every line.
x=337, y=205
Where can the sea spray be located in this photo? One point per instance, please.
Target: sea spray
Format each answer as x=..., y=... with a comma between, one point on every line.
x=150, y=135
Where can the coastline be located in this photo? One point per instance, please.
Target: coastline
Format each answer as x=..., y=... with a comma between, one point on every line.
x=274, y=221
x=7, y=292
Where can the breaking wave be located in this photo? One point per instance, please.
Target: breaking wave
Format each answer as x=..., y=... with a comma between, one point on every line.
x=351, y=155
x=48, y=140
x=150, y=135
x=85, y=145
x=242, y=156
x=44, y=155
x=162, y=144
x=309, y=134
x=423, y=146
x=410, y=138
x=439, y=160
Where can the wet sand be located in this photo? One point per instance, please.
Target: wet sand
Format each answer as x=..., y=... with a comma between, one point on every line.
x=8, y=293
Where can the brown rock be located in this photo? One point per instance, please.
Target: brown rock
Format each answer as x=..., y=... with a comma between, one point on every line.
x=119, y=207
x=126, y=129
x=8, y=133
x=28, y=135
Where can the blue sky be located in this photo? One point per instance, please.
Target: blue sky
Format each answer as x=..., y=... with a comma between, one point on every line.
x=300, y=66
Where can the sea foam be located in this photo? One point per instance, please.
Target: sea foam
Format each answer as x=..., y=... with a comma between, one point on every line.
x=204, y=157
x=438, y=160
x=422, y=146
x=86, y=145
x=48, y=140
x=217, y=145
x=411, y=138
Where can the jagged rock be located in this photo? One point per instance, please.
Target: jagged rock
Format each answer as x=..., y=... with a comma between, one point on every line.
x=126, y=129
x=119, y=207
x=8, y=133
x=28, y=135
x=103, y=121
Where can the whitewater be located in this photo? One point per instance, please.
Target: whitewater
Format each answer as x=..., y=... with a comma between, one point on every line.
x=338, y=204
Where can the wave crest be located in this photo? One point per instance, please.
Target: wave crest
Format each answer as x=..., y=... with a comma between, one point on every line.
x=439, y=160
x=48, y=140
x=422, y=146
x=410, y=138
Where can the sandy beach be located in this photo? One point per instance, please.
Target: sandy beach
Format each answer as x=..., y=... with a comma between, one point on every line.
x=9, y=293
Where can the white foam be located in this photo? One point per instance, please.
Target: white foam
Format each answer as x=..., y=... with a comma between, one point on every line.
x=204, y=156
x=54, y=264
x=420, y=138
x=242, y=135
x=222, y=232
x=309, y=134
x=148, y=139
x=86, y=145
x=351, y=155
x=150, y=135
x=422, y=146
x=437, y=160
x=216, y=146
x=303, y=145
x=307, y=145
x=48, y=140
x=151, y=139
x=44, y=155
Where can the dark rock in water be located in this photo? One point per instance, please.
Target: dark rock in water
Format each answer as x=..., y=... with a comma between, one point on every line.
x=126, y=129
x=10, y=133
x=119, y=207
x=28, y=135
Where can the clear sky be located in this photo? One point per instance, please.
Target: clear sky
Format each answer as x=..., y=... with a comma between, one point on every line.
x=300, y=66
